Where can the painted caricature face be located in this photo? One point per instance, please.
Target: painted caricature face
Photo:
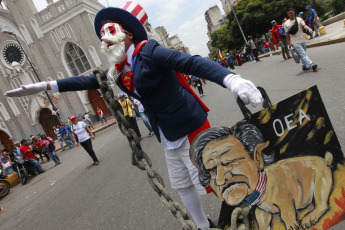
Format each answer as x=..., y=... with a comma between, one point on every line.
x=234, y=174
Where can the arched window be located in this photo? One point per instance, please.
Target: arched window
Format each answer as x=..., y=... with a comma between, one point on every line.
x=4, y=112
x=76, y=59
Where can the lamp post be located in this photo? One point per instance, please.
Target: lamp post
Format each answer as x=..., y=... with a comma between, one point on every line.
x=238, y=23
x=16, y=66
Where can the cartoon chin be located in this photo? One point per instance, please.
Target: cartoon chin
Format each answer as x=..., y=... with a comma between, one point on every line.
x=235, y=194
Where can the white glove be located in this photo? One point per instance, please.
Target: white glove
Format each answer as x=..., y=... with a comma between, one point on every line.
x=244, y=89
x=26, y=90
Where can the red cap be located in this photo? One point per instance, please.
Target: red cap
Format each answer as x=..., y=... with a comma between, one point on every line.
x=72, y=117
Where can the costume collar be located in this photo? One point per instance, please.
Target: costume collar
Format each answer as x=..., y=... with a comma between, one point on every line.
x=129, y=54
x=256, y=196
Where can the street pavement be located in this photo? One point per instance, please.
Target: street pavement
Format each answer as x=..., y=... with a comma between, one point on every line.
x=116, y=195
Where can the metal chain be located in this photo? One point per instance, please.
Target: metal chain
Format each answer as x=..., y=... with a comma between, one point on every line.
x=139, y=157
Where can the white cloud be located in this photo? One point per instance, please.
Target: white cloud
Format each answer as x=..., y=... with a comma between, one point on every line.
x=185, y=18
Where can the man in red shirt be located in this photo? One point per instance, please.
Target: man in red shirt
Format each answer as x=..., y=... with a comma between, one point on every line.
x=101, y=115
x=26, y=151
x=277, y=38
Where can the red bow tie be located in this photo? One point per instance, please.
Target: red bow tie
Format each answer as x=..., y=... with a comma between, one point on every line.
x=120, y=66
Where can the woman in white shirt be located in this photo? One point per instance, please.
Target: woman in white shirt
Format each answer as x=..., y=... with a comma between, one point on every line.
x=80, y=133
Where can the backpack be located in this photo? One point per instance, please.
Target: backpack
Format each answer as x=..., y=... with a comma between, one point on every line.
x=282, y=32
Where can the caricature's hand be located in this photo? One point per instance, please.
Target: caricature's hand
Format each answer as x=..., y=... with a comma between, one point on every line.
x=26, y=90
x=244, y=89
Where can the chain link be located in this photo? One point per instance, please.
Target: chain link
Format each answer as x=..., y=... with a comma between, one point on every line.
x=139, y=157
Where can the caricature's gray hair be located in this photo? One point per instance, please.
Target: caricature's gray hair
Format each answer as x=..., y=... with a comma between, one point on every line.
x=248, y=134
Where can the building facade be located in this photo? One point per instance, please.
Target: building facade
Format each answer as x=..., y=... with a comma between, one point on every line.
x=60, y=42
x=226, y=5
x=214, y=19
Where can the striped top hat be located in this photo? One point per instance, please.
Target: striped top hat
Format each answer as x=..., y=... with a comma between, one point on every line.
x=131, y=14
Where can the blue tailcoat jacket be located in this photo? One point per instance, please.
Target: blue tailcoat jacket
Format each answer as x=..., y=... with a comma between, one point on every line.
x=167, y=104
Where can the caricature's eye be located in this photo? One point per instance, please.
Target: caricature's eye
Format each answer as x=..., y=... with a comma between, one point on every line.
x=213, y=170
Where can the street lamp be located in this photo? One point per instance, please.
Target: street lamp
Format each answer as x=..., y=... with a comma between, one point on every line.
x=238, y=23
x=17, y=66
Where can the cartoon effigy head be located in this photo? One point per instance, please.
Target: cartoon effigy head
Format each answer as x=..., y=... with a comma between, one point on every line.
x=229, y=160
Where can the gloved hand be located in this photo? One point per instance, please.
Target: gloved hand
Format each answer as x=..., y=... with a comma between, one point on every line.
x=26, y=90
x=244, y=89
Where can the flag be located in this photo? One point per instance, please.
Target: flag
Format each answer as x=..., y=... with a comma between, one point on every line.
x=220, y=55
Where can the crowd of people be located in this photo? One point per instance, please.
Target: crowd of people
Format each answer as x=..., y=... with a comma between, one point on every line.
x=37, y=147
x=279, y=36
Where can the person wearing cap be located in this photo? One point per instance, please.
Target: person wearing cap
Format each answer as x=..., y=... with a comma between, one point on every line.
x=306, y=21
x=315, y=20
x=26, y=151
x=297, y=40
x=127, y=108
x=150, y=73
x=80, y=134
x=66, y=135
x=279, y=39
x=230, y=61
x=87, y=121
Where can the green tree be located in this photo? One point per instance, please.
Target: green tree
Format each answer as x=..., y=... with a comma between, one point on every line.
x=337, y=6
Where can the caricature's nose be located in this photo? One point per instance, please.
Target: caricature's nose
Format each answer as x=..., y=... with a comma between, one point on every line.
x=222, y=175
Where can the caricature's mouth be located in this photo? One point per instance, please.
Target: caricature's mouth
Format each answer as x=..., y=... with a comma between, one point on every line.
x=232, y=186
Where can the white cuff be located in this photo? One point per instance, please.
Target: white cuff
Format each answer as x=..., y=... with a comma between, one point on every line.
x=54, y=86
x=227, y=78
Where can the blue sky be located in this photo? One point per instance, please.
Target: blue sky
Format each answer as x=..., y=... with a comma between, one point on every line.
x=182, y=17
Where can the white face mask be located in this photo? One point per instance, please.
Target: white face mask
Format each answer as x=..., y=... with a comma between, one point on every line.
x=113, y=45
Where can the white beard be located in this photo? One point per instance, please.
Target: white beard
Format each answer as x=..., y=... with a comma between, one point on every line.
x=115, y=53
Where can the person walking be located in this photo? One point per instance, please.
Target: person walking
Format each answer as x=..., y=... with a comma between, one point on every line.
x=65, y=131
x=294, y=34
x=80, y=133
x=253, y=48
x=49, y=147
x=87, y=121
x=230, y=61
x=128, y=108
x=315, y=20
x=59, y=136
x=279, y=38
x=26, y=151
x=198, y=84
x=101, y=115
x=143, y=116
